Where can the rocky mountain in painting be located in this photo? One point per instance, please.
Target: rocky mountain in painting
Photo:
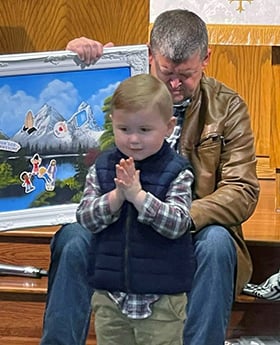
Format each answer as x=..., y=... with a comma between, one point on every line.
x=48, y=131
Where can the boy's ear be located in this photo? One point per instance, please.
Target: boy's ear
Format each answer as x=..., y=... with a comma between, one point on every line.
x=170, y=125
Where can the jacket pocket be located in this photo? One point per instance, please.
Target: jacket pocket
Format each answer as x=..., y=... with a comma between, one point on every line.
x=206, y=161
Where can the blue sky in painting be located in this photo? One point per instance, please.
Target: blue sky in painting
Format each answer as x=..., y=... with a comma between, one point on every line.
x=62, y=90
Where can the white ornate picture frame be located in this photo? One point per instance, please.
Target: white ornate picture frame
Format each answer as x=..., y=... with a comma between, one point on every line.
x=51, y=123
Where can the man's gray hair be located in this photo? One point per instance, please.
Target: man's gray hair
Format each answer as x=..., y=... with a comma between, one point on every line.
x=178, y=34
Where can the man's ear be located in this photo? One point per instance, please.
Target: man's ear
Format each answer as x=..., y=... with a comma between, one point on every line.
x=206, y=60
x=150, y=54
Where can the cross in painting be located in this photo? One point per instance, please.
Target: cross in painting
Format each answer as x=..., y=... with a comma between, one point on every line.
x=240, y=6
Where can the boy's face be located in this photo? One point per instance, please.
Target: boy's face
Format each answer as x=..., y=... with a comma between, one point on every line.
x=140, y=134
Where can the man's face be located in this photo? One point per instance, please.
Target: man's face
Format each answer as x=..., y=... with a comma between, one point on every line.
x=183, y=78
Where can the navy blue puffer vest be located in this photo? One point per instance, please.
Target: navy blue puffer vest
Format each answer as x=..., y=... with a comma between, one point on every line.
x=130, y=256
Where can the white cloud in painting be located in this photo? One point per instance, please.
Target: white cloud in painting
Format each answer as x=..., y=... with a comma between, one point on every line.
x=63, y=96
x=97, y=101
x=11, y=112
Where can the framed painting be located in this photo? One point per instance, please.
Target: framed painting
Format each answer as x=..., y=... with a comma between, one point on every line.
x=52, y=116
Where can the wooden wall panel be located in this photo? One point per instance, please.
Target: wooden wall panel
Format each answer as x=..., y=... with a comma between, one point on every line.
x=121, y=21
x=39, y=25
x=247, y=35
x=247, y=58
x=275, y=111
x=247, y=69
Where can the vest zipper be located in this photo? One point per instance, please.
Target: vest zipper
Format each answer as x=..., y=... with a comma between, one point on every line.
x=126, y=252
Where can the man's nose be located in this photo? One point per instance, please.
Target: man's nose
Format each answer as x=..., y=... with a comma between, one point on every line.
x=175, y=83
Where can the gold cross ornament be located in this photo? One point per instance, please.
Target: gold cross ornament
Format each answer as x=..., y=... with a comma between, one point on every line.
x=240, y=7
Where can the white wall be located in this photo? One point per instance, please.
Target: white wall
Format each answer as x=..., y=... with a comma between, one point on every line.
x=259, y=12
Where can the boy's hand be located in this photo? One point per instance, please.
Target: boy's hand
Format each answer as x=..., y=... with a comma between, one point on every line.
x=128, y=179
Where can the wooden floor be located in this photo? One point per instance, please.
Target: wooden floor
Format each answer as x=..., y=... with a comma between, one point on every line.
x=258, y=317
x=264, y=225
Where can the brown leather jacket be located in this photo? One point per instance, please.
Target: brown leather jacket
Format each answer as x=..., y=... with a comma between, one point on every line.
x=218, y=139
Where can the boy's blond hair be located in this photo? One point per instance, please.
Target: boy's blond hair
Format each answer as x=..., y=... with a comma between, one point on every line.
x=143, y=91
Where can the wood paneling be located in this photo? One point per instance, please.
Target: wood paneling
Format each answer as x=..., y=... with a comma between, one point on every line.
x=247, y=58
x=275, y=118
x=21, y=324
x=258, y=35
x=247, y=69
x=35, y=287
x=23, y=253
x=264, y=169
x=264, y=225
x=40, y=25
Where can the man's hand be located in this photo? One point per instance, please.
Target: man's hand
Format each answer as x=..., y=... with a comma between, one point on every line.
x=89, y=51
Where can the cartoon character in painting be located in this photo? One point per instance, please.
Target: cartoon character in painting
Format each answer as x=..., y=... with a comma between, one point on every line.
x=26, y=181
x=28, y=126
x=51, y=170
x=36, y=160
x=48, y=174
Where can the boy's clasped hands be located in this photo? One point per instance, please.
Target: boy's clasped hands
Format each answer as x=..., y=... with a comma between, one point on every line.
x=128, y=179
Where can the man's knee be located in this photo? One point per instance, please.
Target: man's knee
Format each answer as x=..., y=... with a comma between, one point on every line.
x=72, y=239
x=215, y=242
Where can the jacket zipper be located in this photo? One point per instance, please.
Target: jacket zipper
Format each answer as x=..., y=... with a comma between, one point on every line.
x=214, y=137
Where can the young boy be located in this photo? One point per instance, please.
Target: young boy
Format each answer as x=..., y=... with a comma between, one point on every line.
x=136, y=201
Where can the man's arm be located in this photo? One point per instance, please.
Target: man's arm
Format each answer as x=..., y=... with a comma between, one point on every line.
x=237, y=191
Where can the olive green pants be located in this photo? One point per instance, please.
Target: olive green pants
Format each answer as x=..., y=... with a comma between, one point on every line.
x=163, y=327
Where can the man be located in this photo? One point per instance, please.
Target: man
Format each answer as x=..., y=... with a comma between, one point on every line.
x=213, y=130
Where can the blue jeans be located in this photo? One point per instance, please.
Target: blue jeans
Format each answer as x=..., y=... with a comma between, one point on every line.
x=68, y=307
x=210, y=301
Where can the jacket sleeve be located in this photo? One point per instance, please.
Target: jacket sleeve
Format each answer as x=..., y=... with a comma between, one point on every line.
x=235, y=187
